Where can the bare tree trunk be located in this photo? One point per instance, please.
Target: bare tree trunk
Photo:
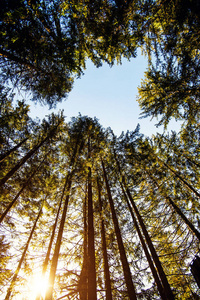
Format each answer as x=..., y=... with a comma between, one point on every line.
x=125, y=265
x=66, y=189
x=162, y=275
x=7, y=153
x=46, y=261
x=146, y=251
x=83, y=282
x=22, y=258
x=49, y=293
x=92, y=286
x=155, y=257
x=25, y=158
x=104, y=247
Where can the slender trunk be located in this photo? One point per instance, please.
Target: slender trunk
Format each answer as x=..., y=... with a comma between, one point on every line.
x=83, y=282
x=49, y=293
x=162, y=275
x=25, y=158
x=66, y=189
x=19, y=193
x=125, y=265
x=146, y=251
x=155, y=257
x=7, y=153
x=46, y=261
x=178, y=210
x=92, y=286
x=179, y=177
x=22, y=258
x=104, y=247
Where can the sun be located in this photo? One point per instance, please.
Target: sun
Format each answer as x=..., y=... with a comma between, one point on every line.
x=37, y=284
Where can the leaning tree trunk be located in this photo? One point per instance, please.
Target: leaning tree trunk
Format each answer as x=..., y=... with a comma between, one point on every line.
x=10, y=205
x=104, y=247
x=125, y=265
x=162, y=275
x=7, y=153
x=52, y=275
x=92, y=285
x=46, y=261
x=22, y=259
x=26, y=157
x=155, y=257
x=146, y=251
x=66, y=189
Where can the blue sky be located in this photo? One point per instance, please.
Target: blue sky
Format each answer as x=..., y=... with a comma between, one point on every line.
x=110, y=95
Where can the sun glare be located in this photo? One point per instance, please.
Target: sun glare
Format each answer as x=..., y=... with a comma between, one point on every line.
x=37, y=285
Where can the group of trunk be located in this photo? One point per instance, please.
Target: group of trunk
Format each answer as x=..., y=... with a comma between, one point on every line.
x=87, y=286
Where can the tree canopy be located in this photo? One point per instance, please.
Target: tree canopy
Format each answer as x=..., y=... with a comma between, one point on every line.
x=45, y=45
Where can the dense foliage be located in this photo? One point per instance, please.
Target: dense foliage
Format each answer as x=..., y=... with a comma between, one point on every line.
x=45, y=45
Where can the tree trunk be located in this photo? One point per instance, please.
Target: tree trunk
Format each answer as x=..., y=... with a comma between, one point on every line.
x=83, y=282
x=7, y=153
x=104, y=247
x=146, y=251
x=92, y=286
x=67, y=187
x=22, y=258
x=26, y=157
x=155, y=257
x=46, y=261
x=49, y=293
x=125, y=265
x=19, y=193
x=165, y=283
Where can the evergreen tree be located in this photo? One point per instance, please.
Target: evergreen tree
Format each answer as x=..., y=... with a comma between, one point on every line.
x=115, y=223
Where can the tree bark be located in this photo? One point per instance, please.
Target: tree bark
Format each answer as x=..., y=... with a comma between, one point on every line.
x=7, y=153
x=104, y=247
x=125, y=265
x=22, y=258
x=146, y=251
x=162, y=275
x=26, y=157
x=66, y=189
x=166, y=286
x=49, y=293
x=92, y=286
x=46, y=261
x=83, y=282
